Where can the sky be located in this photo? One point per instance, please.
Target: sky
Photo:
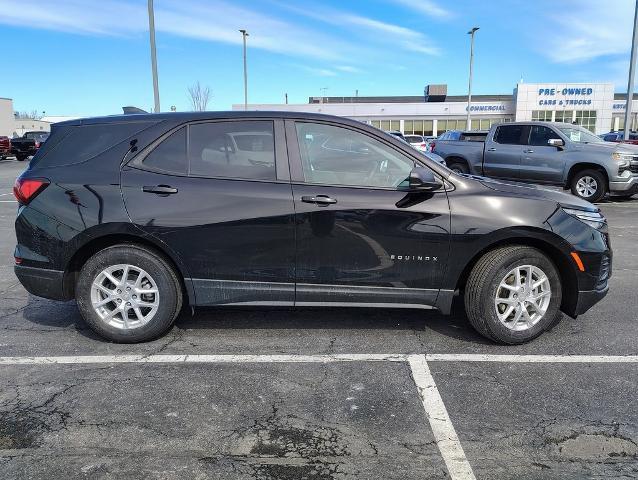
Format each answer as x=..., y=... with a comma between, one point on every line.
x=91, y=57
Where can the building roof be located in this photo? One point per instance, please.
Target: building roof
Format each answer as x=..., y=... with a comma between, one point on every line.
x=410, y=99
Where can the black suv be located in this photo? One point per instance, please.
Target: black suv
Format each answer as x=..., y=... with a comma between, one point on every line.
x=136, y=215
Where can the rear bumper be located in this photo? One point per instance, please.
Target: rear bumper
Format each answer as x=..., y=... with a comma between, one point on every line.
x=42, y=282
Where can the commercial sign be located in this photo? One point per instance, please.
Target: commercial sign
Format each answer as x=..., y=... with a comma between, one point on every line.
x=486, y=108
x=556, y=96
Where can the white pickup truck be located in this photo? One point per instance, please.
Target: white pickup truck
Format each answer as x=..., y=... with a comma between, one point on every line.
x=545, y=153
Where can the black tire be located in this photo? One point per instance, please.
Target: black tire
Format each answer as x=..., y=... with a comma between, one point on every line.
x=21, y=158
x=601, y=184
x=481, y=291
x=165, y=277
x=458, y=167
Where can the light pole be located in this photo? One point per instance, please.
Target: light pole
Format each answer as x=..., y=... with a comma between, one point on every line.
x=151, y=28
x=244, y=34
x=469, y=84
x=632, y=71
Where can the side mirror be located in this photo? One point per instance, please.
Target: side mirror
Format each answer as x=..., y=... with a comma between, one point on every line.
x=423, y=180
x=556, y=142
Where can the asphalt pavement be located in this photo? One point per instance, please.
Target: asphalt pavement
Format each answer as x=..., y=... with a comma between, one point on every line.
x=318, y=394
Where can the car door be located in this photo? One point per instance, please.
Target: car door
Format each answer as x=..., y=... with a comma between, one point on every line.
x=540, y=162
x=218, y=195
x=361, y=240
x=502, y=156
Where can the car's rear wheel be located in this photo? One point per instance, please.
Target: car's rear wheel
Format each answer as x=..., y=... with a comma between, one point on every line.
x=21, y=158
x=513, y=294
x=458, y=167
x=128, y=294
x=590, y=185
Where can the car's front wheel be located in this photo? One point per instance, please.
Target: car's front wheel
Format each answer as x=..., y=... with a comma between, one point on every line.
x=128, y=293
x=21, y=158
x=513, y=294
x=590, y=185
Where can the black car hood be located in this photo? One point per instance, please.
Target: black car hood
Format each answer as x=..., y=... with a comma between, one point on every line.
x=534, y=191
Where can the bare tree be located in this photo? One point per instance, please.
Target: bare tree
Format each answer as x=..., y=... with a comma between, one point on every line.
x=198, y=97
x=33, y=115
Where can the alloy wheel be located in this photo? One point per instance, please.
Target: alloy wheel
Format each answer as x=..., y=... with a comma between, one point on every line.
x=125, y=296
x=586, y=186
x=522, y=297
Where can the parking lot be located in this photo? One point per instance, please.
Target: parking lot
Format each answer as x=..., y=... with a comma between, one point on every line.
x=318, y=393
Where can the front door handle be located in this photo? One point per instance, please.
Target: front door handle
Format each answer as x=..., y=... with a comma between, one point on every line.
x=528, y=151
x=319, y=199
x=491, y=149
x=160, y=189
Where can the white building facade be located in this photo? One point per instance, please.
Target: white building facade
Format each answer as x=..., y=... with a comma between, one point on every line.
x=592, y=105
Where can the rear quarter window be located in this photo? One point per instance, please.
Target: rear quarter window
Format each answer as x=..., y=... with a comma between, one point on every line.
x=69, y=145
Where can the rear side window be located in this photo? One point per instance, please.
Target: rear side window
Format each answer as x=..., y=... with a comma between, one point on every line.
x=241, y=150
x=170, y=155
x=509, y=134
x=77, y=144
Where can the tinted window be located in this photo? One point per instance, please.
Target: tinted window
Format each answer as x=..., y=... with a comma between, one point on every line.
x=338, y=156
x=76, y=144
x=510, y=134
x=170, y=154
x=539, y=136
x=232, y=149
x=610, y=138
x=414, y=139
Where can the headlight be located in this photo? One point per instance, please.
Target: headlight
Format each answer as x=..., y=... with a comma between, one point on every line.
x=593, y=219
x=624, y=159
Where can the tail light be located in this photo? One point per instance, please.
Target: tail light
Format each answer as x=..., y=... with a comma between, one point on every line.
x=424, y=145
x=26, y=189
x=432, y=144
x=37, y=144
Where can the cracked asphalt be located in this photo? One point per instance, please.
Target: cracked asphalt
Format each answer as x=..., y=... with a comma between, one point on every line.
x=315, y=421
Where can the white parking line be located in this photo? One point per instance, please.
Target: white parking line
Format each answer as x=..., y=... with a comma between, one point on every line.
x=8, y=201
x=446, y=438
x=334, y=358
x=477, y=357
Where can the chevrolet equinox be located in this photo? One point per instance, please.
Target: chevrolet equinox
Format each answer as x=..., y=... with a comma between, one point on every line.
x=135, y=216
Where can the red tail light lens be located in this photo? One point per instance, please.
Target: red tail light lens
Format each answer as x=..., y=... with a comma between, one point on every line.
x=37, y=144
x=26, y=189
x=432, y=146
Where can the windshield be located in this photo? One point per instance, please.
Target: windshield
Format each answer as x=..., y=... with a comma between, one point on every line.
x=579, y=135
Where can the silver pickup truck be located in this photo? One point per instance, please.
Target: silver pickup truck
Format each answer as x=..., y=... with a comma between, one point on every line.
x=546, y=153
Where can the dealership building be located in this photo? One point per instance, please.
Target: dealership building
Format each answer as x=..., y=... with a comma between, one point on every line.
x=593, y=105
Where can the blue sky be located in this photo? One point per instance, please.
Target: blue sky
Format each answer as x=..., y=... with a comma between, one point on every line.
x=90, y=57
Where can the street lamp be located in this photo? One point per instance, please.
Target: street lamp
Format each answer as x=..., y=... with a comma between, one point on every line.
x=630, y=82
x=469, y=85
x=244, y=34
x=151, y=28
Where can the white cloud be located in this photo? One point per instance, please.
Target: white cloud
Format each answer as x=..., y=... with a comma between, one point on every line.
x=348, y=69
x=425, y=7
x=584, y=30
x=198, y=19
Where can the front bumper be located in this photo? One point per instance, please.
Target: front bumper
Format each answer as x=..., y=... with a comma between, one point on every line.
x=625, y=187
x=587, y=299
x=42, y=282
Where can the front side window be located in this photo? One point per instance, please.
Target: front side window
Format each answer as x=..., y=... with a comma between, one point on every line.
x=338, y=156
x=509, y=134
x=579, y=135
x=539, y=136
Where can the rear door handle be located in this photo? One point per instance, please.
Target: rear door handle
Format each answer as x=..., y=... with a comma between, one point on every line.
x=160, y=189
x=491, y=149
x=319, y=199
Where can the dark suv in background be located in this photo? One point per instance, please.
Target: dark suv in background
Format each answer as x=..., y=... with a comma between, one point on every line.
x=137, y=215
